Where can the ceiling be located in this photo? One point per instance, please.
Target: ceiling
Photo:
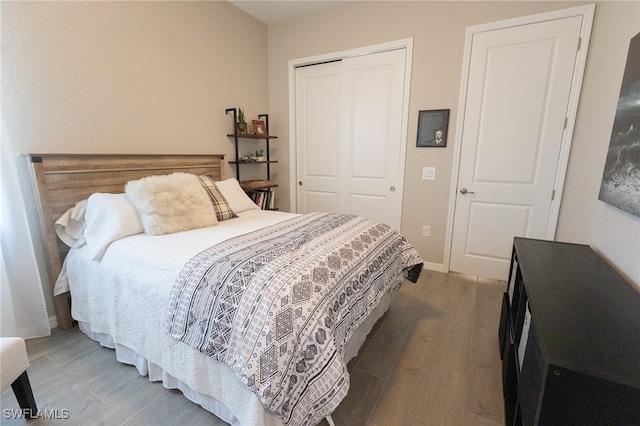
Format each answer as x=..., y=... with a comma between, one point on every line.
x=270, y=11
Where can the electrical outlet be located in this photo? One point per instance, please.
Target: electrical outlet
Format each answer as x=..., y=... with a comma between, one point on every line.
x=426, y=231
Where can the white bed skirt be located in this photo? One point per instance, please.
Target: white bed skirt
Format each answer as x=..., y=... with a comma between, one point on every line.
x=157, y=373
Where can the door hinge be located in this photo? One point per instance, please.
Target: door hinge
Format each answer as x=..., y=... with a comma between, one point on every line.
x=553, y=195
x=566, y=121
x=579, y=43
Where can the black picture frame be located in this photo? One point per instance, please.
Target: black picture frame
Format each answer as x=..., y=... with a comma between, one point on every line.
x=429, y=122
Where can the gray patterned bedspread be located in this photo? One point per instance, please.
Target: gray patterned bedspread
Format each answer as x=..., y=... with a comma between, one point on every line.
x=278, y=305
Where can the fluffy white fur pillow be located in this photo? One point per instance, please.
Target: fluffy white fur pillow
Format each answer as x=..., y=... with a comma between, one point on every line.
x=171, y=203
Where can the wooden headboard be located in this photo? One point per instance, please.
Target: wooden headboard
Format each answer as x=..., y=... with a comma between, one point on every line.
x=64, y=179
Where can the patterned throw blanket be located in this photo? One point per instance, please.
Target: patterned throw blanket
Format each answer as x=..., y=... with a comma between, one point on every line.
x=278, y=305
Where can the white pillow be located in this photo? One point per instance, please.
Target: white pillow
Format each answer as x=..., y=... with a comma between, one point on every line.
x=70, y=226
x=171, y=203
x=109, y=217
x=238, y=200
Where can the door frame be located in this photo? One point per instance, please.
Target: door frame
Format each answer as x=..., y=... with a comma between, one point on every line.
x=406, y=44
x=587, y=13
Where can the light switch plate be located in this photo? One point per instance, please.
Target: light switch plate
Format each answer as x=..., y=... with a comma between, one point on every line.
x=428, y=173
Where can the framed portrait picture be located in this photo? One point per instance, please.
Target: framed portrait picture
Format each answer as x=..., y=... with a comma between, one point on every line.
x=259, y=127
x=433, y=127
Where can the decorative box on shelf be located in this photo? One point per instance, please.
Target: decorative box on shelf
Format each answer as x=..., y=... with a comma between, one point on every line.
x=255, y=184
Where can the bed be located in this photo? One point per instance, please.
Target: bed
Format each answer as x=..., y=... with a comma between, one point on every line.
x=250, y=352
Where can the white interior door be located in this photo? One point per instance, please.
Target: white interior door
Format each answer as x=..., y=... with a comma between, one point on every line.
x=516, y=107
x=350, y=139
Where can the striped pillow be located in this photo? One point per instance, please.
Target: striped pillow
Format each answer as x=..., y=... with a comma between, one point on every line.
x=220, y=205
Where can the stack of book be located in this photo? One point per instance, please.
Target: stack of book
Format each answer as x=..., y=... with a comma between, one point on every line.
x=264, y=198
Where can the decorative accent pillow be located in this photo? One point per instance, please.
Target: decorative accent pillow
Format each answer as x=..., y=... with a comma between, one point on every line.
x=220, y=205
x=171, y=203
x=109, y=217
x=238, y=200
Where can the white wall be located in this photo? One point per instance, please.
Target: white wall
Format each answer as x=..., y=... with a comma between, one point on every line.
x=438, y=30
x=129, y=77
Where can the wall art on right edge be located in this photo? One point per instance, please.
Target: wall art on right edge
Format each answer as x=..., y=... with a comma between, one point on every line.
x=620, y=185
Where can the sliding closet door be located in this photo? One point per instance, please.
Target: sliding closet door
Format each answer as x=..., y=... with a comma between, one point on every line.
x=350, y=145
x=317, y=136
x=372, y=154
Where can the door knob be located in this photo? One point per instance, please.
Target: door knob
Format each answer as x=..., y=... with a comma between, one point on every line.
x=464, y=191
x=300, y=182
x=392, y=189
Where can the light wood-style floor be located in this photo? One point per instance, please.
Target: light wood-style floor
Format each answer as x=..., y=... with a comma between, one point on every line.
x=432, y=359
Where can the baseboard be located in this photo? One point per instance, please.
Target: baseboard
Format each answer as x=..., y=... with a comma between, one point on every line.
x=438, y=267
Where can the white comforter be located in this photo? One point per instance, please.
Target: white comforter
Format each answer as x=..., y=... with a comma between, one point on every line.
x=106, y=301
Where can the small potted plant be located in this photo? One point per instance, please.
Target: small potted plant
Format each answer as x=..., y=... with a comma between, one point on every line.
x=260, y=154
x=241, y=125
